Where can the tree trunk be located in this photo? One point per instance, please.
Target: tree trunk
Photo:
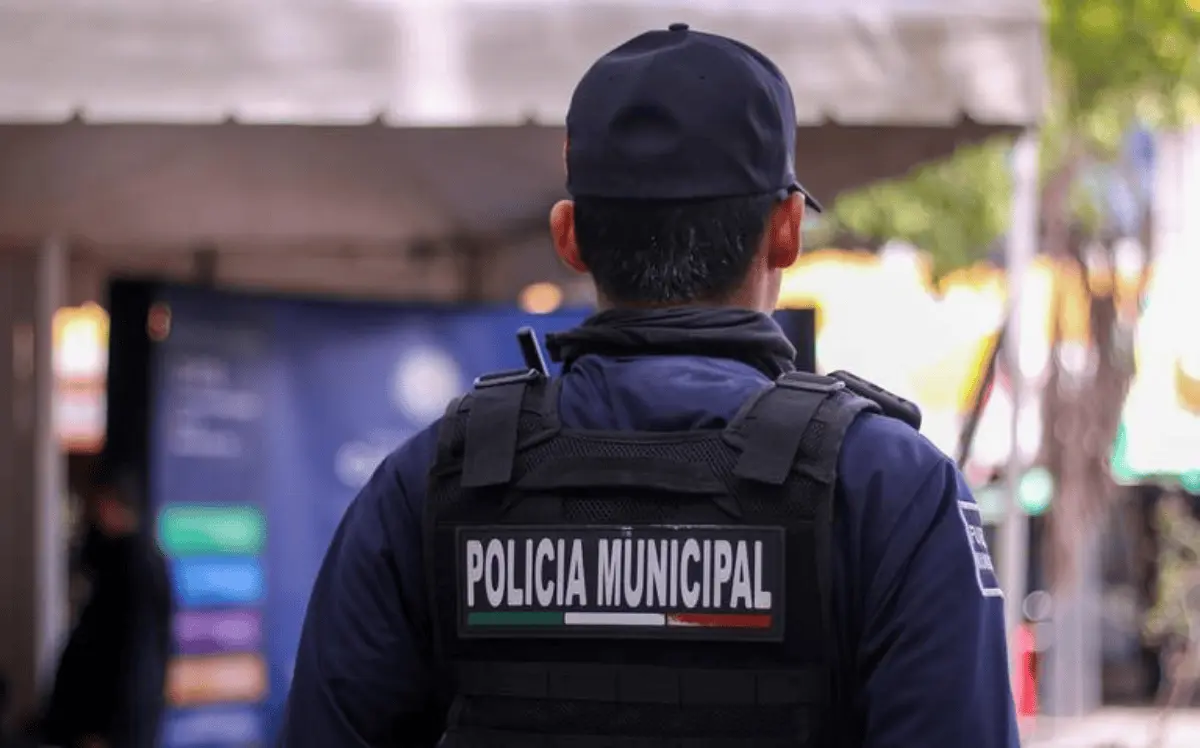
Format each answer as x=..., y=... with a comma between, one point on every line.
x=1060, y=407
x=1081, y=409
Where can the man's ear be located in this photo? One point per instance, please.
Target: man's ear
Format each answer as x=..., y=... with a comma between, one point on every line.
x=784, y=240
x=562, y=233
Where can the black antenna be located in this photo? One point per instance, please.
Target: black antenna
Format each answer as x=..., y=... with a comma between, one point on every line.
x=531, y=351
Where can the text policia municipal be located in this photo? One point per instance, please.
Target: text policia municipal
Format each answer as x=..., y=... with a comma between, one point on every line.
x=616, y=573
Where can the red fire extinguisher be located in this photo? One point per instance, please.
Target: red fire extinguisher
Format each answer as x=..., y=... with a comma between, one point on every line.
x=1025, y=691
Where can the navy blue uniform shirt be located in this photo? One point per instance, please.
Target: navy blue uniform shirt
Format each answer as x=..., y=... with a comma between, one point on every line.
x=919, y=618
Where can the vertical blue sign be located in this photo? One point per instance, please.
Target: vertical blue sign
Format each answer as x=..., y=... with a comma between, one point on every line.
x=282, y=408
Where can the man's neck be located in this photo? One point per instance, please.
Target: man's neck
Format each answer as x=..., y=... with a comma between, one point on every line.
x=604, y=305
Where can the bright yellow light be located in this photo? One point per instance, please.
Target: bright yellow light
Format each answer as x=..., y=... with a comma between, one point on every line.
x=81, y=341
x=541, y=298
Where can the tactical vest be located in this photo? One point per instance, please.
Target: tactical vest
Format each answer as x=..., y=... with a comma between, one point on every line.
x=635, y=589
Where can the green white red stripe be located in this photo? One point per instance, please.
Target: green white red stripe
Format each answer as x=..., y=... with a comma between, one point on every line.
x=640, y=620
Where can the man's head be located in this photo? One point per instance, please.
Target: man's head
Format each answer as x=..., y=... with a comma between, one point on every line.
x=681, y=161
x=111, y=505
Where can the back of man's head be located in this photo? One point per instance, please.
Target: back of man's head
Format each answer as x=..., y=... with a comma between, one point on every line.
x=112, y=500
x=670, y=252
x=680, y=159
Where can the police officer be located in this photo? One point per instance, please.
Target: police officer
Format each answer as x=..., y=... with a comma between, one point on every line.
x=681, y=541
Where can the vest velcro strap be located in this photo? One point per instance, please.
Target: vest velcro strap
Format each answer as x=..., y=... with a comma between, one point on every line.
x=643, y=684
x=692, y=478
x=775, y=425
x=493, y=424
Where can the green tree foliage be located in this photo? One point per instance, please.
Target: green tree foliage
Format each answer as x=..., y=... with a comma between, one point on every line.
x=954, y=209
x=1112, y=62
x=1172, y=616
x=1173, y=623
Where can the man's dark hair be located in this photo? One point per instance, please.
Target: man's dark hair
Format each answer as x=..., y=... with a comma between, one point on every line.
x=670, y=252
x=114, y=482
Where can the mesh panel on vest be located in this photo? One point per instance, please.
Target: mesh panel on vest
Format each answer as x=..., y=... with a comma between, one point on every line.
x=711, y=450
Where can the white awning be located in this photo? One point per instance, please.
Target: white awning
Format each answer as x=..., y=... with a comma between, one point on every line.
x=451, y=63
x=139, y=130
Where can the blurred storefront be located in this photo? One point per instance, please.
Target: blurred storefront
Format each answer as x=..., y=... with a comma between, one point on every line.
x=1157, y=454
x=1157, y=450
x=402, y=150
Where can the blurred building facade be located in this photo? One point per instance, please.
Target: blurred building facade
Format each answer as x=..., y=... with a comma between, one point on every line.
x=405, y=149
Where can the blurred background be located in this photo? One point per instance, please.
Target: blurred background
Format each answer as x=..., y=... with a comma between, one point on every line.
x=247, y=247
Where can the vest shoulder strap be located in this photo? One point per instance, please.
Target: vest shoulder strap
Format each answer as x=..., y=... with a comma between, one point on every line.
x=796, y=423
x=487, y=424
x=892, y=405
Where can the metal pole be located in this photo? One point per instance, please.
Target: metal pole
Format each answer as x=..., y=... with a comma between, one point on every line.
x=50, y=572
x=1022, y=246
x=966, y=438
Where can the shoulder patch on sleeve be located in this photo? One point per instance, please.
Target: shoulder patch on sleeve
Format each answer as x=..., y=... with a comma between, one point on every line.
x=985, y=570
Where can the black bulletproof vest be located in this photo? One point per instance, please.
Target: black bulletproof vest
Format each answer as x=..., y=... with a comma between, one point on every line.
x=597, y=588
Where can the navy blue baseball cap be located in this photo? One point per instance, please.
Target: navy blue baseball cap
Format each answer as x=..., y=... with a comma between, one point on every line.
x=682, y=115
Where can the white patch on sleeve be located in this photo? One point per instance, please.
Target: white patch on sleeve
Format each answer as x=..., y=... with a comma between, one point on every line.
x=985, y=570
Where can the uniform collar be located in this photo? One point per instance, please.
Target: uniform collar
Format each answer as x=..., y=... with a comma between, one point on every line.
x=739, y=334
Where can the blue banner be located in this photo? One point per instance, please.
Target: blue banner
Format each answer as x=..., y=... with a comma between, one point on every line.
x=281, y=409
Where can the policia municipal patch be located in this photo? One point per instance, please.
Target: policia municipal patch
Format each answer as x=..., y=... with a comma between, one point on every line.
x=651, y=581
